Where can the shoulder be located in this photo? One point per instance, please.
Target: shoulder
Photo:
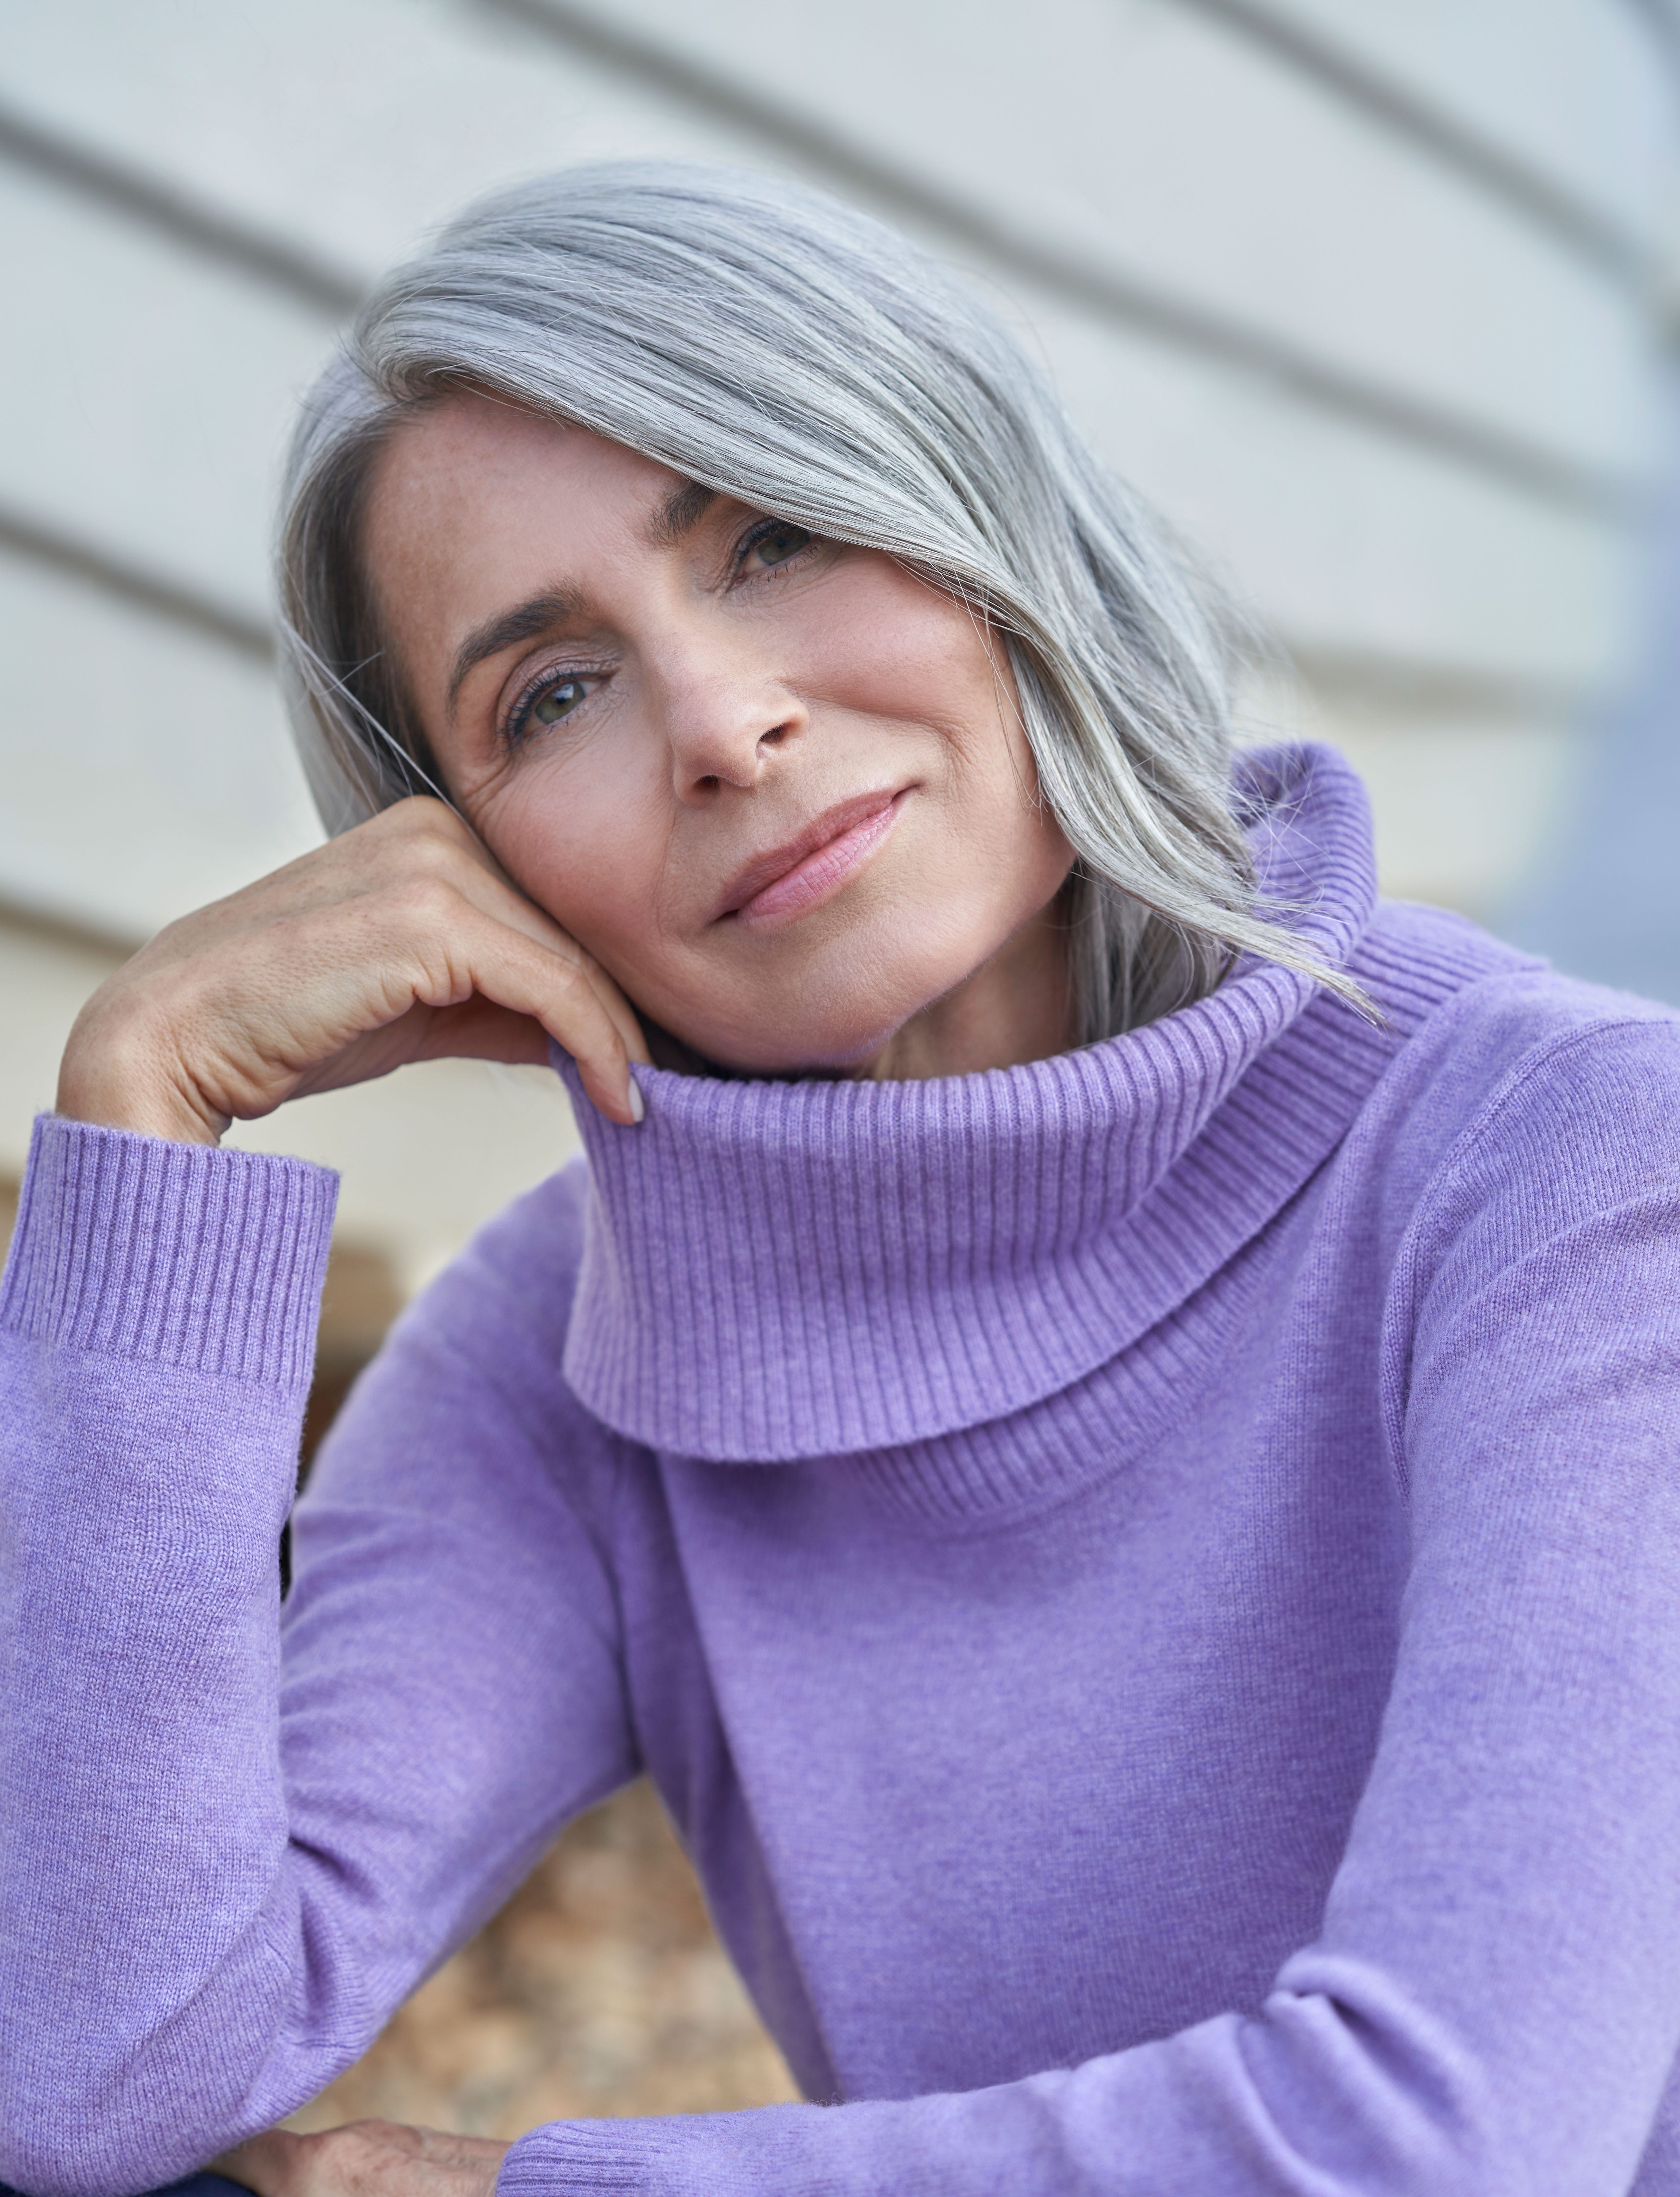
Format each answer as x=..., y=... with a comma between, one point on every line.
x=1514, y=1051
x=1508, y=1091
x=1524, y=1108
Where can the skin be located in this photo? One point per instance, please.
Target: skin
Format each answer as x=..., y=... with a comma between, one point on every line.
x=366, y=2159
x=640, y=768
x=725, y=692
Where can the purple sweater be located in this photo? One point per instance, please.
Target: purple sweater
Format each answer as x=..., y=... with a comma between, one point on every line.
x=1150, y=1584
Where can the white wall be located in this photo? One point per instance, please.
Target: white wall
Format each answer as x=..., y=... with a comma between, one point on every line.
x=1358, y=293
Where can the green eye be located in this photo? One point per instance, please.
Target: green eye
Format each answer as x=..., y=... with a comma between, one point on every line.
x=781, y=544
x=557, y=701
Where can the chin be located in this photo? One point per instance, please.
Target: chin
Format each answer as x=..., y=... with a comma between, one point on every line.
x=839, y=1037
x=825, y=1001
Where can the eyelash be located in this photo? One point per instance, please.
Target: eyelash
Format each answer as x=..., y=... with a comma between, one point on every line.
x=762, y=532
x=515, y=723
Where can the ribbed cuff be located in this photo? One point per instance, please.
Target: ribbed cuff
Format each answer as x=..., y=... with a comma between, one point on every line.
x=182, y=1254
x=766, y=2151
x=568, y=2157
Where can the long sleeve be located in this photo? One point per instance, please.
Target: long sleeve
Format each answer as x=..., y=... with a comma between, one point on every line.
x=231, y=1847
x=1492, y=2002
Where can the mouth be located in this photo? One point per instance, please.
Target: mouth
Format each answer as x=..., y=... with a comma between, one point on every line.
x=820, y=861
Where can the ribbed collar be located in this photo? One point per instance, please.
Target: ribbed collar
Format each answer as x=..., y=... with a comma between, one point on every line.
x=778, y=1271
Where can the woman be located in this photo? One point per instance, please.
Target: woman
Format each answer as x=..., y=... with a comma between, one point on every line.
x=1103, y=1419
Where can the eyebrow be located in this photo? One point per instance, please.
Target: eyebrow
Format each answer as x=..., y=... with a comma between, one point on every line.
x=681, y=510
x=535, y=616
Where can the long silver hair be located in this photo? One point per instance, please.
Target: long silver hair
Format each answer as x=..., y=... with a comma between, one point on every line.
x=779, y=347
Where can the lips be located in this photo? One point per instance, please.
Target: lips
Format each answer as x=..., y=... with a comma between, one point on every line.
x=814, y=866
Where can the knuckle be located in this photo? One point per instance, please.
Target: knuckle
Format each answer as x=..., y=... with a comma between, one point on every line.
x=424, y=900
x=420, y=829
x=422, y=812
x=568, y=979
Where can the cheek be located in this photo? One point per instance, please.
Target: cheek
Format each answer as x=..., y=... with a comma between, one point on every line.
x=888, y=645
x=590, y=856
x=994, y=857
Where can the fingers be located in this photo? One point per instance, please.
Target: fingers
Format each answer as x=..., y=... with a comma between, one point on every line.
x=264, y=2164
x=365, y=2159
x=396, y=942
x=435, y=848
x=466, y=863
x=440, y=946
x=445, y=2148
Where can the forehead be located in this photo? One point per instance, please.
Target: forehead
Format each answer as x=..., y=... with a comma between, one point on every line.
x=471, y=456
x=474, y=503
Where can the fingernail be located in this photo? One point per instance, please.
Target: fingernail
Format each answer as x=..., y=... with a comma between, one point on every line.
x=638, y=1104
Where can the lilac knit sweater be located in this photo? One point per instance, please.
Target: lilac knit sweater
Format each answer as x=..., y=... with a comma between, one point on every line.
x=1150, y=1584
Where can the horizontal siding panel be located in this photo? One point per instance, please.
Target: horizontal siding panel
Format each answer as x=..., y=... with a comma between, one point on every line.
x=1160, y=146
x=156, y=388
x=158, y=385
x=1142, y=138
x=1341, y=539
x=1575, y=88
x=146, y=771
x=1464, y=810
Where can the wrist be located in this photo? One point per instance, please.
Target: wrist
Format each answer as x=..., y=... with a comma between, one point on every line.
x=108, y=1099
x=115, y=1074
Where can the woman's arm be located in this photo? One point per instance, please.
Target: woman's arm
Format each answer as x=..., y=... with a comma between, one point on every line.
x=402, y=940
x=220, y=1870
x=1493, y=2004
x=180, y=1963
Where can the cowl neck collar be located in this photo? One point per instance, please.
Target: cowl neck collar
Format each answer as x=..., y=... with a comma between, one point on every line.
x=780, y=1270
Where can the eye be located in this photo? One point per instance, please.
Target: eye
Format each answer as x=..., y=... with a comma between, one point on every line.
x=551, y=704
x=777, y=544
x=545, y=703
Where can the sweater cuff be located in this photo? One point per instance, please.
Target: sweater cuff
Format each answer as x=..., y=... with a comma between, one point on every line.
x=763, y=2152
x=184, y=1254
x=568, y=2157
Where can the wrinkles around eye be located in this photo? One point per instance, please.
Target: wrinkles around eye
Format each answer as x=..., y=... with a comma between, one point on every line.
x=766, y=536
x=523, y=717
x=784, y=548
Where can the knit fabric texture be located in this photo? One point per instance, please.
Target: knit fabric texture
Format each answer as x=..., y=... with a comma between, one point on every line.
x=1148, y=1583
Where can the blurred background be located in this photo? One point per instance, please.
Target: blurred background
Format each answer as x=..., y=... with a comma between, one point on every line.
x=1372, y=297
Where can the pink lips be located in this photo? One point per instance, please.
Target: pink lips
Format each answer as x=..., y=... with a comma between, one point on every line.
x=812, y=868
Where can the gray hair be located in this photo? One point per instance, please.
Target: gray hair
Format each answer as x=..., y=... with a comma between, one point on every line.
x=777, y=347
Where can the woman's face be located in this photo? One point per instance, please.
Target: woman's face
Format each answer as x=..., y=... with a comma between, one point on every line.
x=776, y=785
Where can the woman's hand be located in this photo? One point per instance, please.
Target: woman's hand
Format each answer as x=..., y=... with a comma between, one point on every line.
x=365, y=2159
x=402, y=941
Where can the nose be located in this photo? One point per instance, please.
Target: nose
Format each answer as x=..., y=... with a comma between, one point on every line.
x=726, y=714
